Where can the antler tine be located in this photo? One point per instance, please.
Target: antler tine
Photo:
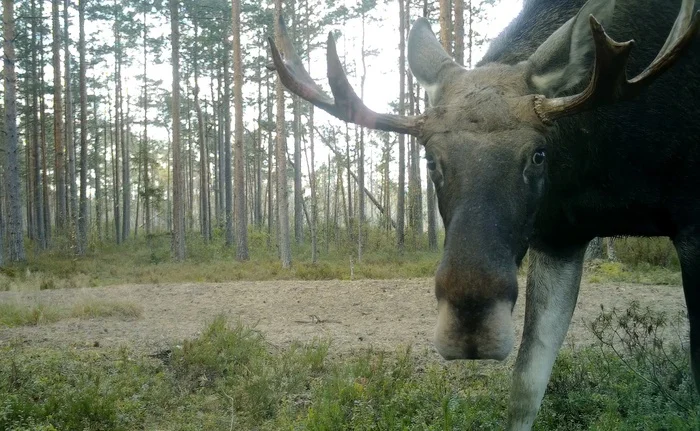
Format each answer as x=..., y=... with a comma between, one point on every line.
x=346, y=106
x=609, y=83
x=292, y=73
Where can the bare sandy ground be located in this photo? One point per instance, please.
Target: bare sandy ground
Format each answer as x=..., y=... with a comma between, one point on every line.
x=378, y=314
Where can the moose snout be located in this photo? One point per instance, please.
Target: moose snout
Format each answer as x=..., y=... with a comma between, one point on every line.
x=484, y=334
x=475, y=309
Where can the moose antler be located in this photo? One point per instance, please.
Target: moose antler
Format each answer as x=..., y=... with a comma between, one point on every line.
x=609, y=81
x=346, y=106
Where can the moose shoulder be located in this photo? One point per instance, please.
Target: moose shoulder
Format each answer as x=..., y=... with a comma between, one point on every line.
x=545, y=145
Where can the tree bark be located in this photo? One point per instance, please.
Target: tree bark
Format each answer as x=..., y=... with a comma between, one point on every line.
x=282, y=207
x=312, y=167
x=400, y=200
x=270, y=152
x=83, y=216
x=459, y=31
x=44, y=163
x=126, y=165
x=145, y=155
x=241, y=214
x=14, y=220
x=70, y=135
x=178, y=240
x=228, y=183
x=98, y=177
x=117, y=124
x=205, y=229
x=36, y=154
x=445, y=23
x=59, y=166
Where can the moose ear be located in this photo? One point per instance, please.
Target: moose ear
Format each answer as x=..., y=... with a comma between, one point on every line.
x=566, y=57
x=427, y=59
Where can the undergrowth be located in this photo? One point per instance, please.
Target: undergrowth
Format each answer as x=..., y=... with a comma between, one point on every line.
x=148, y=261
x=231, y=378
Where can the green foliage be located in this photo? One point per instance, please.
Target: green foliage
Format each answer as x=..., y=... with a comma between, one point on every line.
x=62, y=390
x=643, y=273
x=230, y=377
x=658, y=252
x=148, y=261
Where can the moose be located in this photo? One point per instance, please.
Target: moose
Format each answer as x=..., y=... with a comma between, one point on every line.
x=543, y=146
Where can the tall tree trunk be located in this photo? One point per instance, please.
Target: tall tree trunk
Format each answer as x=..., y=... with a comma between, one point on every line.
x=139, y=169
x=228, y=184
x=430, y=195
x=190, y=161
x=470, y=35
x=216, y=121
x=37, y=186
x=83, y=218
x=105, y=150
x=328, y=205
x=270, y=152
x=29, y=167
x=59, y=170
x=415, y=209
x=44, y=163
x=459, y=31
x=98, y=177
x=222, y=138
x=361, y=150
x=205, y=230
x=400, y=199
x=241, y=218
x=432, y=216
x=312, y=167
x=126, y=167
x=169, y=183
x=445, y=24
x=70, y=135
x=178, y=240
x=258, y=157
x=117, y=123
x=350, y=219
x=282, y=207
x=14, y=220
x=145, y=155
x=296, y=133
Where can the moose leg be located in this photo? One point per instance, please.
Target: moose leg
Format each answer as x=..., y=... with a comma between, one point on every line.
x=552, y=290
x=688, y=248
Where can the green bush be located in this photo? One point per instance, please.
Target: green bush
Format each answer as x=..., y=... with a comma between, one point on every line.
x=647, y=251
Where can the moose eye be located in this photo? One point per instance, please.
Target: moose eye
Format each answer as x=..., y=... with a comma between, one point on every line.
x=538, y=157
x=431, y=163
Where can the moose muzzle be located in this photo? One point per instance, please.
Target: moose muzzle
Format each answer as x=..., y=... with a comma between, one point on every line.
x=474, y=314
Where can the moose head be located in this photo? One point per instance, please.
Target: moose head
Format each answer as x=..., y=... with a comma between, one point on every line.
x=489, y=137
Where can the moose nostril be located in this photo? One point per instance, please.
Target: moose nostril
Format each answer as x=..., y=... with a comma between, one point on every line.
x=486, y=335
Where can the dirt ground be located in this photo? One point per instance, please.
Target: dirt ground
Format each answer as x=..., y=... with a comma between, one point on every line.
x=382, y=314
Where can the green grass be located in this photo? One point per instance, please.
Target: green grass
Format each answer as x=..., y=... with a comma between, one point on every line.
x=230, y=378
x=18, y=313
x=144, y=261
x=93, y=308
x=643, y=273
x=148, y=261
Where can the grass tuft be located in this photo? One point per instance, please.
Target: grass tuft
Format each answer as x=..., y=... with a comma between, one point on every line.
x=16, y=314
x=89, y=309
